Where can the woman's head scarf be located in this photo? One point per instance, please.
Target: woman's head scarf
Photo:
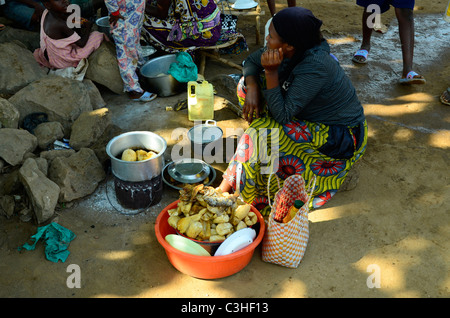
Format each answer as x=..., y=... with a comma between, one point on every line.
x=298, y=27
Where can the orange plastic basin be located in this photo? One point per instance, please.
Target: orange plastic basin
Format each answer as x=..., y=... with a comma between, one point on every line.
x=205, y=267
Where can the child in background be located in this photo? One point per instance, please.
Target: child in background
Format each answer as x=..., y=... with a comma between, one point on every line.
x=62, y=46
x=126, y=19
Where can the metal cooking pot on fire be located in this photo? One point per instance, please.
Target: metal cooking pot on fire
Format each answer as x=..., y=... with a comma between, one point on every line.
x=135, y=171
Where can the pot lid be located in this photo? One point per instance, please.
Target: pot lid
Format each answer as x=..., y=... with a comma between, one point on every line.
x=188, y=170
x=204, y=134
x=168, y=180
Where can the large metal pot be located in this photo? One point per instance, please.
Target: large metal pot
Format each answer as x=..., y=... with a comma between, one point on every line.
x=155, y=74
x=136, y=171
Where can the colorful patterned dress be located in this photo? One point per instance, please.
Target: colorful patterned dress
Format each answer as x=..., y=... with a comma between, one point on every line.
x=127, y=34
x=190, y=24
x=268, y=148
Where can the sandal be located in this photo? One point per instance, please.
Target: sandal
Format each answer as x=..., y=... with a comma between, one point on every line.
x=360, y=53
x=146, y=97
x=413, y=78
x=445, y=97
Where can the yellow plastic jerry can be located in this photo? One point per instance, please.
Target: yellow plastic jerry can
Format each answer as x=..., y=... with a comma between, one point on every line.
x=200, y=101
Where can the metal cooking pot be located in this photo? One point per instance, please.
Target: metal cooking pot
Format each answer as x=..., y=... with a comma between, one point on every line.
x=207, y=136
x=135, y=171
x=155, y=74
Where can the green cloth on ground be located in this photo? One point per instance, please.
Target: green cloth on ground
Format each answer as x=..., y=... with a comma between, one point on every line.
x=57, y=239
x=184, y=69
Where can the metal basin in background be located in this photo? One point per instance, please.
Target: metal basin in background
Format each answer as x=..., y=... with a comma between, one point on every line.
x=103, y=26
x=155, y=74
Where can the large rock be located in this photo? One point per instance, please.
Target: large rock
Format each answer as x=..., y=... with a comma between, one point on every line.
x=15, y=143
x=49, y=155
x=62, y=99
x=7, y=205
x=28, y=39
x=89, y=127
x=9, y=115
x=18, y=67
x=103, y=68
x=94, y=94
x=42, y=192
x=47, y=133
x=77, y=175
x=99, y=146
x=10, y=181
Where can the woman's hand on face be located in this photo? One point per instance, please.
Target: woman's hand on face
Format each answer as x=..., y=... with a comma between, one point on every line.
x=271, y=59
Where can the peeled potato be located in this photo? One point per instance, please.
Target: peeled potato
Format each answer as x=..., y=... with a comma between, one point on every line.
x=242, y=211
x=224, y=228
x=129, y=155
x=142, y=155
x=183, y=224
x=173, y=220
x=214, y=238
x=194, y=229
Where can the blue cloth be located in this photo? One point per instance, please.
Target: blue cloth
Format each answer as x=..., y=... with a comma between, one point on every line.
x=19, y=13
x=385, y=4
x=57, y=239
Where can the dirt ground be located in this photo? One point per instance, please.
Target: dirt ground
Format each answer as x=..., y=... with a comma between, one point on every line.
x=396, y=220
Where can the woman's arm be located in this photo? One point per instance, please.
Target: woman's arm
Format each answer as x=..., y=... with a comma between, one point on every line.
x=252, y=104
x=252, y=70
x=305, y=86
x=160, y=11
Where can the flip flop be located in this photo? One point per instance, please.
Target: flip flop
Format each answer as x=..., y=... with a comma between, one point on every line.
x=382, y=28
x=445, y=97
x=362, y=53
x=411, y=79
x=2, y=26
x=146, y=97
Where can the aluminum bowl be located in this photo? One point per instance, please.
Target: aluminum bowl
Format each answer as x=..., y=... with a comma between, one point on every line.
x=155, y=74
x=103, y=26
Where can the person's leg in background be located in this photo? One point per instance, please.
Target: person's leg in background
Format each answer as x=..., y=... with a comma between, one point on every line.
x=405, y=17
x=271, y=5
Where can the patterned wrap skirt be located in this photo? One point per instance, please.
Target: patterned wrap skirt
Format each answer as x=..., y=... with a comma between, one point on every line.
x=190, y=24
x=268, y=149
